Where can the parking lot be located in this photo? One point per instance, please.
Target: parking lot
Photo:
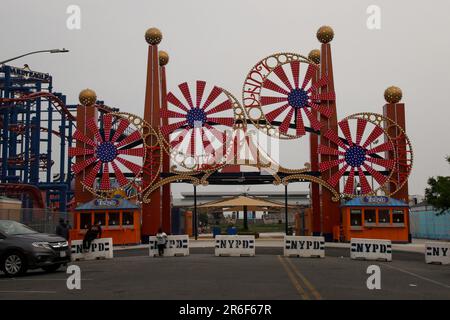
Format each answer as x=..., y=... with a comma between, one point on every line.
x=268, y=275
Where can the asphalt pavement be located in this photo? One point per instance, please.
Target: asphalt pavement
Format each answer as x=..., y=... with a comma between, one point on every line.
x=267, y=276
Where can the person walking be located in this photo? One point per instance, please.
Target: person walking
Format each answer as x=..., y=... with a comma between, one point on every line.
x=62, y=230
x=92, y=233
x=161, y=241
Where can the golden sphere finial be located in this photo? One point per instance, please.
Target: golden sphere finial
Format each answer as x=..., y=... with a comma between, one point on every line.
x=314, y=55
x=163, y=58
x=87, y=97
x=153, y=36
x=393, y=94
x=325, y=34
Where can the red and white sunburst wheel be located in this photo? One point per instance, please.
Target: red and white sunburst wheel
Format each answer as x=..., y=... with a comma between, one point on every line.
x=114, y=154
x=361, y=157
x=198, y=130
x=288, y=97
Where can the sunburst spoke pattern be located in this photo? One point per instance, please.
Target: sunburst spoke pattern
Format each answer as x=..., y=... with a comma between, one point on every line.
x=387, y=146
x=329, y=151
x=90, y=178
x=123, y=125
x=201, y=134
x=133, y=137
x=174, y=101
x=295, y=68
x=77, y=151
x=200, y=89
x=119, y=174
x=361, y=164
x=107, y=123
x=279, y=72
x=137, y=152
x=272, y=100
x=376, y=132
x=349, y=185
x=105, y=183
x=77, y=135
x=105, y=152
x=92, y=127
x=215, y=93
x=80, y=166
x=136, y=169
x=297, y=94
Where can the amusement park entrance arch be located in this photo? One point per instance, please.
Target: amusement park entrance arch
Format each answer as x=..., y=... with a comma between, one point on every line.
x=197, y=132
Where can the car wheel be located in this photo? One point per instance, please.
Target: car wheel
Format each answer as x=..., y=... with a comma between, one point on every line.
x=51, y=268
x=14, y=264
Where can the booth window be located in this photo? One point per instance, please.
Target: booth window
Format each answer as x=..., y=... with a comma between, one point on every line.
x=127, y=219
x=113, y=219
x=398, y=217
x=383, y=216
x=100, y=218
x=85, y=220
x=355, y=218
x=369, y=216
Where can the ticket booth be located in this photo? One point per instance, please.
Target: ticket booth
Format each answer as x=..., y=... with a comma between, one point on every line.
x=375, y=217
x=119, y=218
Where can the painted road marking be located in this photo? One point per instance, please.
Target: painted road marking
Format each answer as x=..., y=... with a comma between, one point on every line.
x=311, y=288
x=293, y=279
x=417, y=276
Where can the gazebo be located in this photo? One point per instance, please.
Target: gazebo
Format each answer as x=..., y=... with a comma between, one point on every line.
x=243, y=203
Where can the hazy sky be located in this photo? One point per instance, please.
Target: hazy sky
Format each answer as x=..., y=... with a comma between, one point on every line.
x=219, y=41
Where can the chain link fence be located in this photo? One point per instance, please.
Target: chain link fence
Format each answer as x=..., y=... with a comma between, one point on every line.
x=42, y=220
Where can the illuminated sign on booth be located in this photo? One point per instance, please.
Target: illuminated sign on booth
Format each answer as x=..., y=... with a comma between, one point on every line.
x=376, y=199
x=106, y=202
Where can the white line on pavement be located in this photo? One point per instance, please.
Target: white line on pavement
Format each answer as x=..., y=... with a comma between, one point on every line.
x=417, y=276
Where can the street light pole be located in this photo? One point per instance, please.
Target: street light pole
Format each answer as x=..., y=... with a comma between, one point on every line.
x=34, y=52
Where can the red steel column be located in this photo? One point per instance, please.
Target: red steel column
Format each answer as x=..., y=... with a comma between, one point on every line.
x=151, y=212
x=86, y=110
x=314, y=55
x=330, y=209
x=166, y=196
x=396, y=112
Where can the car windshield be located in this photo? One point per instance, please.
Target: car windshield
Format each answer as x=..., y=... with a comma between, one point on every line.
x=12, y=228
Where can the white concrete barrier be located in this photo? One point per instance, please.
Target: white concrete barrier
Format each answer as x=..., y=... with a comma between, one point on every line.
x=371, y=249
x=100, y=249
x=235, y=246
x=437, y=252
x=304, y=246
x=176, y=246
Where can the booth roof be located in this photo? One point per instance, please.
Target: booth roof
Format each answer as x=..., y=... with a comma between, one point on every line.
x=122, y=204
x=362, y=202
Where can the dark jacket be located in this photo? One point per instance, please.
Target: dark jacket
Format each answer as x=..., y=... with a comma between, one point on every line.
x=93, y=232
x=62, y=230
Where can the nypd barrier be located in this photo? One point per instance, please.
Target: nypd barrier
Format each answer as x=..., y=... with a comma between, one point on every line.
x=371, y=249
x=100, y=249
x=437, y=252
x=235, y=246
x=304, y=246
x=176, y=246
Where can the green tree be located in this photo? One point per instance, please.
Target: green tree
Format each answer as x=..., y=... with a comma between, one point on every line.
x=203, y=218
x=438, y=192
